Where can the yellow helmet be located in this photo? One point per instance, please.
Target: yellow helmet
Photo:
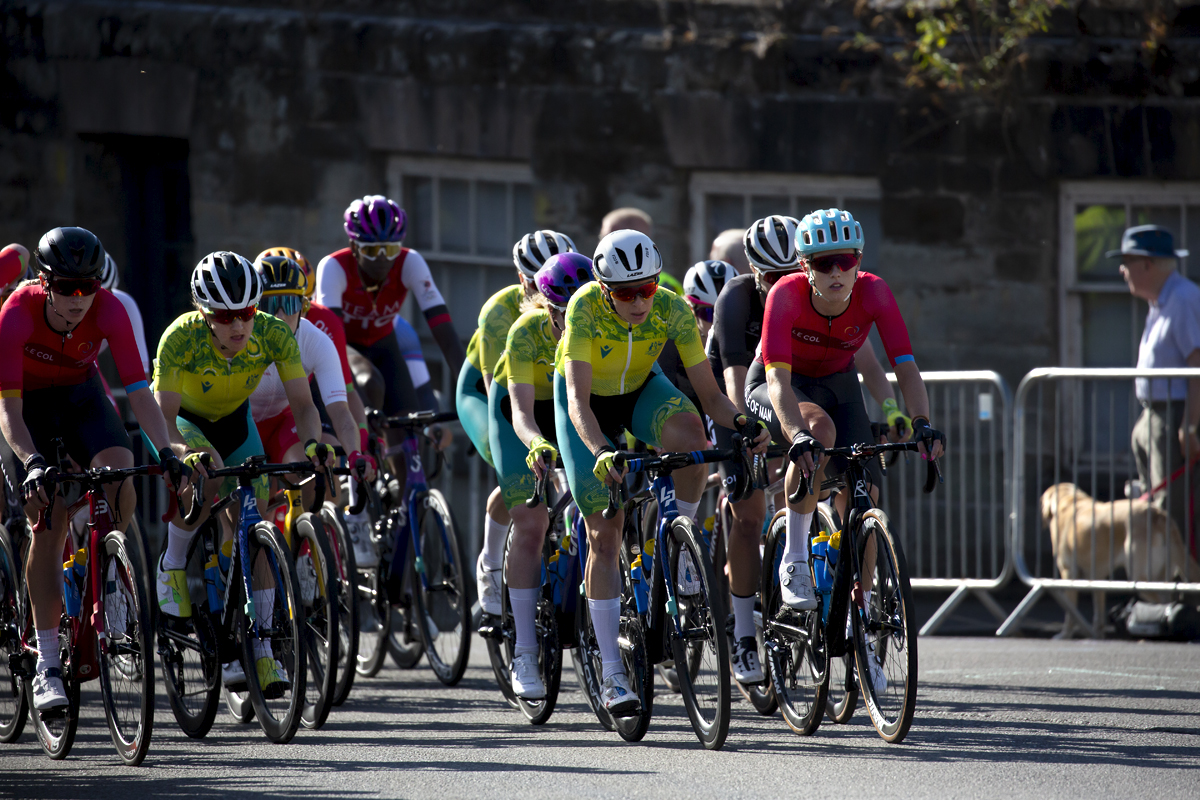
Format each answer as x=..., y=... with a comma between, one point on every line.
x=301, y=261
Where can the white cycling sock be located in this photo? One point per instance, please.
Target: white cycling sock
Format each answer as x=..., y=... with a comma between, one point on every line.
x=524, y=611
x=687, y=509
x=178, y=541
x=264, y=610
x=796, y=546
x=606, y=624
x=494, y=535
x=743, y=616
x=47, y=645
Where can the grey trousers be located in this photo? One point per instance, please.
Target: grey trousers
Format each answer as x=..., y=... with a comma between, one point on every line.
x=1157, y=455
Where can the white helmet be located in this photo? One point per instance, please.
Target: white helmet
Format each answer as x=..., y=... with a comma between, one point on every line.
x=108, y=274
x=533, y=249
x=771, y=243
x=224, y=280
x=705, y=280
x=626, y=255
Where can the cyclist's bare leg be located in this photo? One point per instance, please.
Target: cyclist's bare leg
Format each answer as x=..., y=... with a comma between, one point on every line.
x=745, y=534
x=869, y=552
x=525, y=552
x=602, y=577
x=496, y=508
x=122, y=497
x=684, y=433
x=43, y=572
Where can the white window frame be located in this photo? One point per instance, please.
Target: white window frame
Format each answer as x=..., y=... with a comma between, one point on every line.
x=749, y=184
x=472, y=171
x=1127, y=193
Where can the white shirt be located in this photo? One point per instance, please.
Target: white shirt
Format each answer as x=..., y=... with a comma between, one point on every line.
x=139, y=329
x=319, y=356
x=1172, y=333
x=414, y=274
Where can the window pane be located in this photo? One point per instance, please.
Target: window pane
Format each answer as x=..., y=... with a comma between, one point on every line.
x=1097, y=230
x=491, y=219
x=724, y=211
x=806, y=205
x=765, y=206
x=1112, y=324
x=454, y=223
x=522, y=213
x=866, y=212
x=1167, y=216
x=418, y=204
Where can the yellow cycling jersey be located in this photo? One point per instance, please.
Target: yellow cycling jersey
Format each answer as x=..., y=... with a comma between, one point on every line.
x=495, y=318
x=621, y=354
x=211, y=385
x=529, y=355
x=473, y=351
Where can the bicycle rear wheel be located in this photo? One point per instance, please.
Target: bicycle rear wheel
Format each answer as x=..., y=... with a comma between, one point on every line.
x=701, y=643
x=319, y=603
x=404, y=643
x=887, y=635
x=345, y=575
x=56, y=728
x=843, y=688
x=14, y=709
x=589, y=670
x=278, y=636
x=440, y=590
x=127, y=661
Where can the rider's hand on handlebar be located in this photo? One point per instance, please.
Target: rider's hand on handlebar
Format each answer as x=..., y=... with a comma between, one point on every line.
x=36, y=489
x=441, y=437
x=199, y=463
x=174, y=470
x=542, y=456
x=319, y=453
x=364, y=465
x=753, y=431
x=805, y=452
x=930, y=443
x=900, y=426
x=605, y=470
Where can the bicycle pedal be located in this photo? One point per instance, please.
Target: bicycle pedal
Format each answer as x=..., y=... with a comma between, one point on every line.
x=490, y=627
x=54, y=713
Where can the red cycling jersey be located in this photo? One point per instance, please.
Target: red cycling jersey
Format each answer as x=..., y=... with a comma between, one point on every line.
x=35, y=356
x=797, y=337
x=369, y=315
x=329, y=324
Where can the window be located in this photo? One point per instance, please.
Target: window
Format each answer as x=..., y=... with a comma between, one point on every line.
x=722, y=200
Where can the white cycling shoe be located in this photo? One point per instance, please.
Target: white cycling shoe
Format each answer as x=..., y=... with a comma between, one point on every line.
x=366, y=554
x=618, y=697
x=526, y=677
x=233, y=676
x=796, y=587
x=48, y=691
x=879, y=680
x=744, y=662
x=487, y=582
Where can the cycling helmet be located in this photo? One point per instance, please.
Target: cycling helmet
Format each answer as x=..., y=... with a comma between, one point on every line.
x=828, y=229
x=561, y=276
x=295, y=255
x=72, y=253
x=108, y=275
x=770, y=243
x=281, y=275
x=224, y=280
x=533, y=249
x=626, y=255
x=375, y=218
x=705, y=280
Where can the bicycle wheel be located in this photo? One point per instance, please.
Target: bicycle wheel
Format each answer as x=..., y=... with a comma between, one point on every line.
x=842, y=696
x=345, y=574
x=319, y=601
x=500, y=648
x=404, y=643
x=56, y=728
x=374, y=619
x=277, y=636
x=13, y=706
x=440, y=590
x=549, y=651
x=887, y=635
x=701, y=641
x=794, y=642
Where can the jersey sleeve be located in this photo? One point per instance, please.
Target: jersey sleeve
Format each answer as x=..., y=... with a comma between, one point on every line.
x=778, y=317
x=1185, y=325
x=174, y=355
x=494, y=323
x=576, y=341
x=16, y=326
x=731, y=318
x=881, y=304
x=281, y=347
x=417, y=278
x=322, y=354
x=685, y=333
x=139, y=328
x=114, y=325
x=331, y=283
x=521, y=348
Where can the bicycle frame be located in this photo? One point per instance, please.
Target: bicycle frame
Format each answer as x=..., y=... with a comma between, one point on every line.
x=415, y=486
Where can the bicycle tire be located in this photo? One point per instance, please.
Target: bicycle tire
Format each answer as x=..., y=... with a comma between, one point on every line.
x=345, y=576
x=632, y=640
x=705, y=684
x=55, y=729
x=441, y=599
x=800, y=685
x=278, y=715
x=549, y=650
x=890, y=629
x=500, y=655
x=321, y=618
x=404, y=643
x=374, y=620
x=127, y=659
x=842, y=695
x=14, y=708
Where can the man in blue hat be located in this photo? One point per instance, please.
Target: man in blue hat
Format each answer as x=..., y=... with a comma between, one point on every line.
x=1165, y=436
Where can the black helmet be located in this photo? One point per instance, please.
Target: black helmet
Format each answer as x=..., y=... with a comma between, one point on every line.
x=72, y=253
x=281, y=275
x=224, y=280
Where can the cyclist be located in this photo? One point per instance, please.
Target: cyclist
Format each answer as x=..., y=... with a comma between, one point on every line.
x=410, y=347
x=803, y=384
x=770, y=250
x=14, y=268
x=474, y=383
x=209, y=363
x=604, y=382
x=524, y=443
x=110, y=277
x=50, y=335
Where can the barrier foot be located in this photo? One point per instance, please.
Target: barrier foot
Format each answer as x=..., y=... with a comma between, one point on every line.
x=990, y=604
x=1060, y=597
x=1012, y=625
x=944, y=611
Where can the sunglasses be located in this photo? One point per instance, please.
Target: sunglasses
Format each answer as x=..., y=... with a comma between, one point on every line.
x=74, y=287
x=227, y=316
x=703, y=311
x=771, y=278
x=842, y=261
x=373, y=251
x=627, y=294
x=287, y=303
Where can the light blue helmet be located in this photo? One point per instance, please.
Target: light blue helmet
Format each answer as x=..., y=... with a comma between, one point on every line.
x=828, y=229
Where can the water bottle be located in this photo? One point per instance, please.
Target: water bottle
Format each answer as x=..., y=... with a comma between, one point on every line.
x=822, y=578
x=640, y=593
x=214, y=576
x=73, y=575
x=835, y=545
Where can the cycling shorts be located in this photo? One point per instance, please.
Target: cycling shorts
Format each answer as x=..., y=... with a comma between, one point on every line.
x=472, y=403
x=517, y=483
x=840, y=397
x=234, y=437
x=278, y=434
x=643, y=412
x=399, y=396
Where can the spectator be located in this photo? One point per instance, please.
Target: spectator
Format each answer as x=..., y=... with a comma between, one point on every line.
x=728, y=247
x=1165, y=431
x=627, y=219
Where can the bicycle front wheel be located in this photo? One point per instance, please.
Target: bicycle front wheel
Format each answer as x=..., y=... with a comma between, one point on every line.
x=55, y=728
x=700, y=644
x=345, y=576
x=440, y=590
x=127, y=659
x=319, y=601
x=13, y=708
x=885, y=635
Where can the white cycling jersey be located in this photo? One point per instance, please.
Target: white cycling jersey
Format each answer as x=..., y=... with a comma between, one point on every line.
x=319, y=357
x=139, y=328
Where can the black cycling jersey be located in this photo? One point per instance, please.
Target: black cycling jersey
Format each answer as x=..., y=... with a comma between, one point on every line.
x=737, y=326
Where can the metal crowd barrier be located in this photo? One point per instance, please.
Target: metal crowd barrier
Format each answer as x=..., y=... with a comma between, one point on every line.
x=1074, y=426
x=956, y=538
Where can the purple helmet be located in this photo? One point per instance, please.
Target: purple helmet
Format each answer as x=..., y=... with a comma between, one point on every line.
x=561, y=276
x=375, y=219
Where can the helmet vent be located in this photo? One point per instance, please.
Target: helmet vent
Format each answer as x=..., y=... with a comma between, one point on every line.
x=833, y=232
x=846, y=233
x=820, y=236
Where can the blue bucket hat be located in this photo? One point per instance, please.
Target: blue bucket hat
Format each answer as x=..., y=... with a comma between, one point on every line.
x=1148, y=240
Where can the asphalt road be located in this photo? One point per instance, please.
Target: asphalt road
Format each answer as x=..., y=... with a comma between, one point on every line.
x=995, y=718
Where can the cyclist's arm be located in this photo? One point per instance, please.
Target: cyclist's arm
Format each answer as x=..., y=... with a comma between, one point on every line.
x=872, y=373
x=150, y=416
x=308, y=419
x=344, y=426
x=579, y=395
x=416, y=276
x=168, y=402
x=735, y=386
x=916, y=399
x=522, y=395
x=12, y=423
x=331, y=284
x=715, y=404
x=16, y=328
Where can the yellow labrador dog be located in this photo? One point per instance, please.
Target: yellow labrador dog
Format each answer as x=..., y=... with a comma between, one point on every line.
x=1091, y=539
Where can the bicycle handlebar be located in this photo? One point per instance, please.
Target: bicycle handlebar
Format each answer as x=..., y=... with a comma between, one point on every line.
x=865, y=452
x=93, y=479
x=360, y=483
x=413, y=420
x=663, y=464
